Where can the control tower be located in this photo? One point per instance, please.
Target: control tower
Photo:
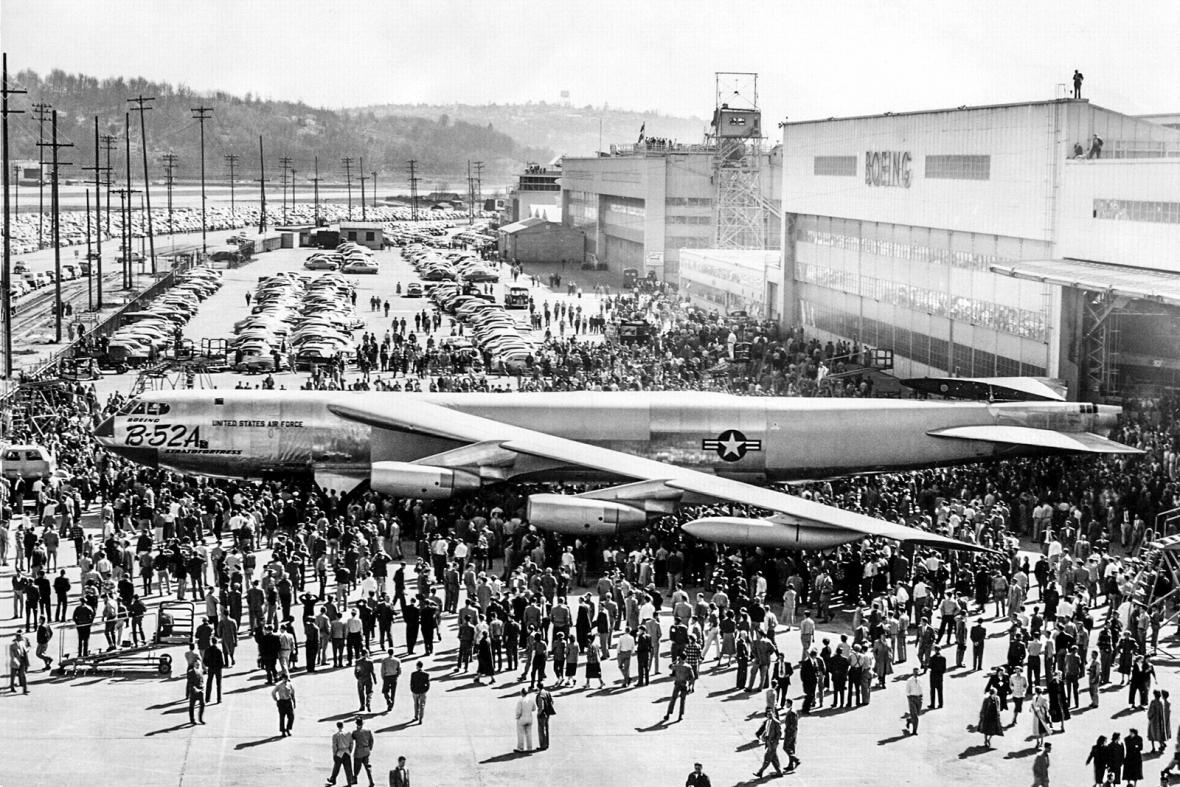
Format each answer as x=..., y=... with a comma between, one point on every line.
x=736, y=135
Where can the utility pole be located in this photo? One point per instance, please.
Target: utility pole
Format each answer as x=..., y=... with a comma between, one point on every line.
x=108, y=144
x=261, y=188
x=470, y=195
x=363, y=177
x=285, y=164
x=147, y=181
x=89, y=257
x=41, y=113
x=374, y=174
x=347, y=162
x=479, y=184
x=292, y=190
x=231, y=161
x=6, y=284
x=202, y=114
x=315, y=185
x=128, y=271
x=54, y=146
x=99, y=171
x=413, y=191
x=169, y=160
x=125, y=239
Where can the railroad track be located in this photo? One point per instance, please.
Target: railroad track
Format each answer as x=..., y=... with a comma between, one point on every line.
x=36, y=310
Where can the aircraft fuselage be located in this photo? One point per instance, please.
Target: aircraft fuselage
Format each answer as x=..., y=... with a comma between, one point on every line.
x=255, y=433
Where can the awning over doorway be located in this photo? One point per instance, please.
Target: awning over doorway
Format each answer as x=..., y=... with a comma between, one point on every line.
x=1139, y=283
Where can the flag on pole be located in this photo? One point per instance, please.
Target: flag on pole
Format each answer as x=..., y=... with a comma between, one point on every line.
x=642, y=127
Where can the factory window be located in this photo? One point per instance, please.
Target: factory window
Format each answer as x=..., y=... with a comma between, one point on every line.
x=690, y=243
x=959, y=167
x=369, y=236
x=842, y=166
x=688, y=202
x=1137, y=210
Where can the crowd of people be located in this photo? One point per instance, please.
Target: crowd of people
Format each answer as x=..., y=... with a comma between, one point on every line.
x=319, y=582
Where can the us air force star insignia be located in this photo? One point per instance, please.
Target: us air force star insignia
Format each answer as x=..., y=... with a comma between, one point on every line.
x=731, y=445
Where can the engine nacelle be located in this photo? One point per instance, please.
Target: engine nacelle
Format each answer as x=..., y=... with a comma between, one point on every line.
x=403, y=479
x=574, y=515
x=740, y=531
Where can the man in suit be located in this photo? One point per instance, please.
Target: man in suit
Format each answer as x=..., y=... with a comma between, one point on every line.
x=214, y=665
x=544, y=711
x=400, y=776
x=419, y=686
x=772, y=732
x=978, y=640
x=937, y=668
x=524, y=721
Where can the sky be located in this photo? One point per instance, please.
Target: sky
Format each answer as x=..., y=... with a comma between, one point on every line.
x=814, y=59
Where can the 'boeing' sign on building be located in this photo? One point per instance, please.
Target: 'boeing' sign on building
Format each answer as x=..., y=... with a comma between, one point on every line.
x=887, y=168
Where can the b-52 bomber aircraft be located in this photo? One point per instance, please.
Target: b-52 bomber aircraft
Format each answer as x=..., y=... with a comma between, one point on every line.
x=660, y=449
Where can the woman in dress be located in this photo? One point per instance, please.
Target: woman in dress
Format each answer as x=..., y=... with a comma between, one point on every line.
x=593, y=665
x=1126, y=656
x=1133, y=759
x=882, y=660
x=1058, y=701
x=989, y=718
x=728, y=627
x=1098, y=759
x=1156, y=733
x=483, y=659
x=1114, y=758
x=1041, y=723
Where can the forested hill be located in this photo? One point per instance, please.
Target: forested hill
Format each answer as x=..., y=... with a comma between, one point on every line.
x=562, y=128
x=441, y=146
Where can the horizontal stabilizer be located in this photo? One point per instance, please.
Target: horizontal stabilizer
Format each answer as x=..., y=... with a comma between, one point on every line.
x=1086, y=442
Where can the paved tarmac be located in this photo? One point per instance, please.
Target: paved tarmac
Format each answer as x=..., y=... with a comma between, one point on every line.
x=135, y=730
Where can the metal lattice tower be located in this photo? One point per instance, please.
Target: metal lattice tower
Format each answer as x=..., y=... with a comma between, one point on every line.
x=739, y=209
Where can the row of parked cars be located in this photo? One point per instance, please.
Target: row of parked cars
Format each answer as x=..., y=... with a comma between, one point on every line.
x=438, y=265
x=296, y=321
x=348, y=257
x=492, y=329
x=154, y=331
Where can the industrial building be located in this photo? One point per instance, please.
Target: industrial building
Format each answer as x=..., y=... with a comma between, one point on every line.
x=537, y=194
x=640, y=205
x=366, y=233
x=534, y=240
x=1038, y=238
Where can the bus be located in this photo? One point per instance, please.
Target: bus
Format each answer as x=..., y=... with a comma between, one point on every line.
x=516, y=298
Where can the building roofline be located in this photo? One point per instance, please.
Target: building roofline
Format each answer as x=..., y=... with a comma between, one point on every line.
x=963, y=108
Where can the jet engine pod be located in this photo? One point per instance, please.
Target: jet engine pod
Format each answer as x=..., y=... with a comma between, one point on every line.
x=574, y=515
x=739, y=531
x=403, y=479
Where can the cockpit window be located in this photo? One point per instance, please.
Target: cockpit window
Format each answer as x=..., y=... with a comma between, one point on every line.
x=138, y=407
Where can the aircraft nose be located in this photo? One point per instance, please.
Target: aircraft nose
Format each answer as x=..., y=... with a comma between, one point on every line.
x=106, y=431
